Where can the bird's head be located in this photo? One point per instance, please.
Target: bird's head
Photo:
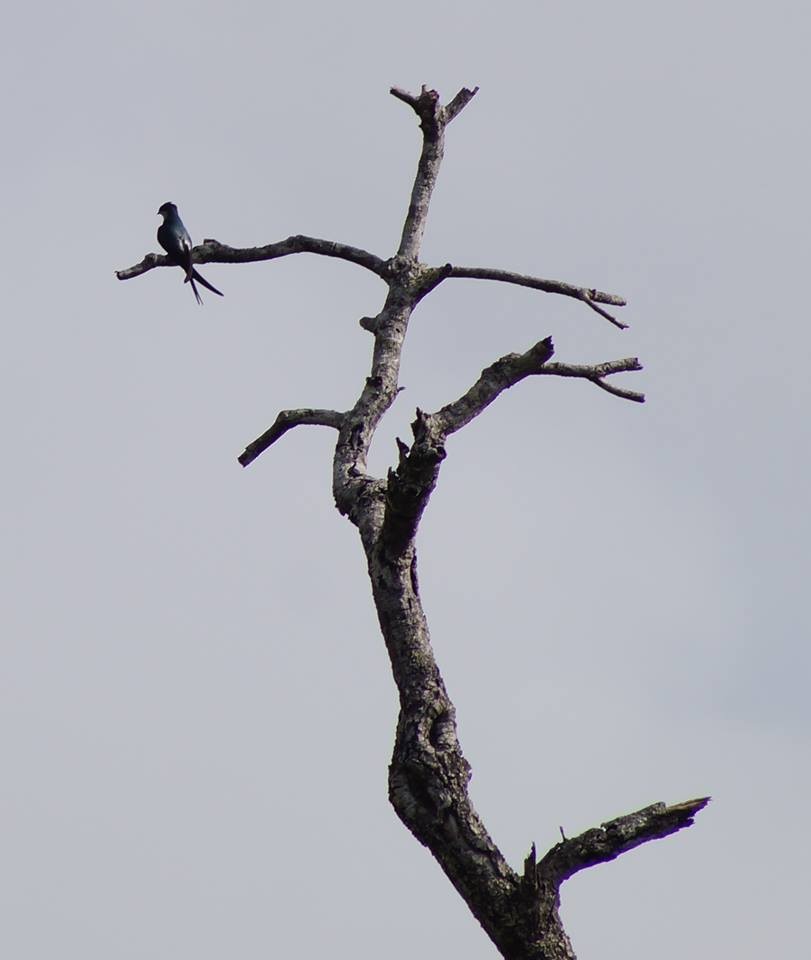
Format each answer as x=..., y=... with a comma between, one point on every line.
x=167, y=209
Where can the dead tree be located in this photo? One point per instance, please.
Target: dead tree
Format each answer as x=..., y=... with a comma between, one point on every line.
x=428, y=775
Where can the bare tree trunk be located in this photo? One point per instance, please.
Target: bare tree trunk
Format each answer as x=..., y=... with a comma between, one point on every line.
x=428, y=776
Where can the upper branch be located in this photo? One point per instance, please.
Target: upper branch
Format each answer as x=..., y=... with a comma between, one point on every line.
x=433, y=120
x=459, y=102
x=212, y=251
x=589, y=296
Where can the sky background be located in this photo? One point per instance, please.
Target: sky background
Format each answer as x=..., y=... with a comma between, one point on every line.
x=196, y=710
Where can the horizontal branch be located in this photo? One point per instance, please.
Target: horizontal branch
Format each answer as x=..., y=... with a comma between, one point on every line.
x=285, y=421
x=597, y=374
x=615, y=837
x=589, y=296
x=212, y=251
x=410, y=98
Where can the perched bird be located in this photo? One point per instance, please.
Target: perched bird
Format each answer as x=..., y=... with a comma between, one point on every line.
x=175, y=240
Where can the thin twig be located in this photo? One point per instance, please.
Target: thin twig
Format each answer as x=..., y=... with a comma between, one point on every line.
x=631, y=395
x=588, y=295
x=589, y=301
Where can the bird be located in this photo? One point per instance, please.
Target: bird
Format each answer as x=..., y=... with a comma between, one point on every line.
x=175, y=240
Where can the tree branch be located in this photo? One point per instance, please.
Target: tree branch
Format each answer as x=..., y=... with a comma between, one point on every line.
x=616, y=837
x=433, y=120
x=597, y=373
x=588, y=295
x=285, y=421
x=212, y=251
x=406, y=97
x=494, y=380
x=410, y=486
x=459, y=102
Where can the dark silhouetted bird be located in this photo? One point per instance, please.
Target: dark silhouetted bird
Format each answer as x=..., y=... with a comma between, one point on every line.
x=175, y=240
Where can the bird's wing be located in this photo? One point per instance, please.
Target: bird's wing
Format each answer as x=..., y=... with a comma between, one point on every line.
x=185, y=245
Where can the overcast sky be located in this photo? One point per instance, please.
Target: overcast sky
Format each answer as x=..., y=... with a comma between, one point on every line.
x=197, y=710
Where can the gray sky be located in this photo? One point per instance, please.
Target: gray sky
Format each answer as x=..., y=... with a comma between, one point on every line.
x=197, y=712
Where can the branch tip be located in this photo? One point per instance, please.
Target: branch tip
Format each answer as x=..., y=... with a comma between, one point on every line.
x=531, y=866
x=597, y=374
x=403, y=95
x=588, y=295
x=459, y=102
x=617, y=836
x=588, y=299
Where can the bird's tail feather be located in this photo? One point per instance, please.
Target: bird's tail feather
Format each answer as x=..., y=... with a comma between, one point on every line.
x=196, y=294
x=196, y=276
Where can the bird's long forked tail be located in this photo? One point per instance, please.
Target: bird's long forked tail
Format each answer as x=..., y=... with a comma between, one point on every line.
x=201, y=280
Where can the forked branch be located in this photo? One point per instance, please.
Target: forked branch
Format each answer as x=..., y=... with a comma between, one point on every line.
x=597, y=374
